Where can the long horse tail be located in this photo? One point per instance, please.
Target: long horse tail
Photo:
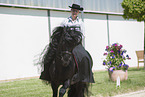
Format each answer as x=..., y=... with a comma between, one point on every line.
x=80, y=89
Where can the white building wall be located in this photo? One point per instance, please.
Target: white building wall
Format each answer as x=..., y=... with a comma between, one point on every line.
x=23, y=35
x=96, y=38
x=57, y=17
x=130, y=34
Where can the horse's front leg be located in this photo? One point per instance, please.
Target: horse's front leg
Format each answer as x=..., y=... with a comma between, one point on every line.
x=63, y=88
x=55, y=89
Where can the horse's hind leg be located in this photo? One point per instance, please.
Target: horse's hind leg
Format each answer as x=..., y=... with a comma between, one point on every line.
x=63, y=88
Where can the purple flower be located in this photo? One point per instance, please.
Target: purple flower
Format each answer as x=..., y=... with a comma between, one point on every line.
x=105, y=54
x=120, y=64
x=120, y=46
x=111, y=69
x=127, y=56
x=115, y=45
x=107, y=47
x=123, y=57
x=125, y=66
x=104, y=63
x=122, y=53
x=115, y=56
x=112, y=57
x=119, y=51
x=112, y=51
x=109, y=63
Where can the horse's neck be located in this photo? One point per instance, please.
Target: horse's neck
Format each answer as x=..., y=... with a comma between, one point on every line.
x=58, y=66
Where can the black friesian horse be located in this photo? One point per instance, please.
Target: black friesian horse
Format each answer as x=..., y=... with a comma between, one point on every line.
x=61, y=66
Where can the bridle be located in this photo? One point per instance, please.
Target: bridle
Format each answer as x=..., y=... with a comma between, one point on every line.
x=66, y=52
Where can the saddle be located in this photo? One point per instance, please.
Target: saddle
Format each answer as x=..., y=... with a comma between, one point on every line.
x=84, y=61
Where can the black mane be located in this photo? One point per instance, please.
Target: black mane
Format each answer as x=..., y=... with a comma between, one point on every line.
x=62, y=39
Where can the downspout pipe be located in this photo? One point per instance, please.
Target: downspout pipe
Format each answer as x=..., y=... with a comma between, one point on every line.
x=49, y=24
x=108, y=34
x=82, y=17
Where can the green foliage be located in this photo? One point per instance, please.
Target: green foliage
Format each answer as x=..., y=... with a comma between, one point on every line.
x=134, y=9
x=115, y=57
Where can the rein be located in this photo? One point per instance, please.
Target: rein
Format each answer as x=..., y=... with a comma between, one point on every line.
x=76, y=62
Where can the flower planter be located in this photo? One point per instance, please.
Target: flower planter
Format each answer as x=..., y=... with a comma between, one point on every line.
x=122, y=74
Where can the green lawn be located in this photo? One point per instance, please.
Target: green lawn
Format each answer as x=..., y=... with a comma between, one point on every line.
x=105, y=87
x=102, y=87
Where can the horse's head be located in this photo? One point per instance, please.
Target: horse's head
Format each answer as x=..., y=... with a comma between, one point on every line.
x=66, y=38
x=66, y=58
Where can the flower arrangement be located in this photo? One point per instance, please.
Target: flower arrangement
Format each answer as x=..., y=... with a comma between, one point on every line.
x=115, y=57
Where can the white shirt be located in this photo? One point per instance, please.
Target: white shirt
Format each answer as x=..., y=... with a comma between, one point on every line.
x=69, y=22
x=77, y=22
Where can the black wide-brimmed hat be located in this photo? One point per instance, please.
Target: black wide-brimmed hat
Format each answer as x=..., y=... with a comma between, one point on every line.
x=76, y=6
